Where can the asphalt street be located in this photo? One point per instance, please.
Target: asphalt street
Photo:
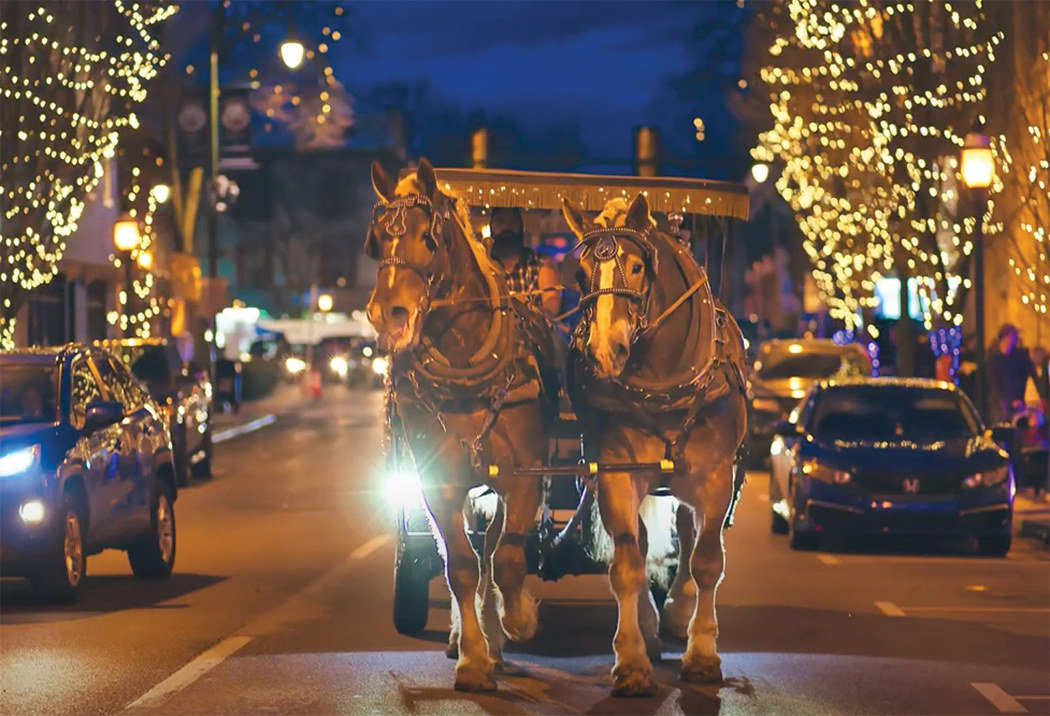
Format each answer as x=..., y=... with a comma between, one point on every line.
x=281, y=604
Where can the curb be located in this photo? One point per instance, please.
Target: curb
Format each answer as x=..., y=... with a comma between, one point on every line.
x=1039, y=529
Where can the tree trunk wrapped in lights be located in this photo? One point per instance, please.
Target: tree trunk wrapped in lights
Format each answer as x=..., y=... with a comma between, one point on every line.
x=871, y=103
x=72, y=73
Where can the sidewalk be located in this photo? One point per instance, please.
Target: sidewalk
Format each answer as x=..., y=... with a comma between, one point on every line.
x=258, y=413
x=1033, y=515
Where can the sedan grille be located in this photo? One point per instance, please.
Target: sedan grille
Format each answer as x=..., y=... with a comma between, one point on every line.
x=889, y=483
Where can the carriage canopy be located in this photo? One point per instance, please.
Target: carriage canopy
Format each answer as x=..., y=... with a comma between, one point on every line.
x=545, y=190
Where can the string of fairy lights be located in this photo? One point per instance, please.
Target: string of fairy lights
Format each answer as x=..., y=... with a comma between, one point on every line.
x=61, y=153
x=869, y=116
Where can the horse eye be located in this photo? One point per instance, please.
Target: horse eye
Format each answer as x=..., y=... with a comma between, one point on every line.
x=636, y=269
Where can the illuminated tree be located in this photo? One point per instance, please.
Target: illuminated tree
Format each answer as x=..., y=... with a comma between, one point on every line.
x=72, y=74
x=1023, y=190
x=871, y=102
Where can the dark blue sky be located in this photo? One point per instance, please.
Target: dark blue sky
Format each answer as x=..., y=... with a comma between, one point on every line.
x=599, y=64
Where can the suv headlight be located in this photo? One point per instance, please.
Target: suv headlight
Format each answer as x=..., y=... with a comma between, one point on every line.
x=20, y=461
x=823, y=473
x=988, y=477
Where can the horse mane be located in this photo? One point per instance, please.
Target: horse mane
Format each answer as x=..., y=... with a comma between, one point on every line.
x=409, y=185
x=614, y=213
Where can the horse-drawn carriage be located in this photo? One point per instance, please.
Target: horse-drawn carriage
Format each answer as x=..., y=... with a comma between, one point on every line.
x=568, y=537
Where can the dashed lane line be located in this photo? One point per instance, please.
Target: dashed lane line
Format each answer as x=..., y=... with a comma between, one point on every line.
x=191, y=672
x=829, y=559
x=238, y=430
x=1004, y=702
x=291, y=609
x=890, y=609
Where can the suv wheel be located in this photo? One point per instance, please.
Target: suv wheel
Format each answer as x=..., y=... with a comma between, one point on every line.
x=64, y=567
x=994, y=545
x=153, y=556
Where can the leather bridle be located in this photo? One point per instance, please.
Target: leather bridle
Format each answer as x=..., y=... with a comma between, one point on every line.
x=396, y=227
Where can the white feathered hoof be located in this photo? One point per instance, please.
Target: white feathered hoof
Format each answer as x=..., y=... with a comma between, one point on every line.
x=701, y=670
x=520, y=624
x=633, y=681
x=474, y=679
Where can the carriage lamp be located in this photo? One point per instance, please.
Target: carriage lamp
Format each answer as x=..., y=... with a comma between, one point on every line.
x=403, y=488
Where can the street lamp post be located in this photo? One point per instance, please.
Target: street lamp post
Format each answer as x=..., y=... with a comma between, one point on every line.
x=126, y=238
x=978, y=170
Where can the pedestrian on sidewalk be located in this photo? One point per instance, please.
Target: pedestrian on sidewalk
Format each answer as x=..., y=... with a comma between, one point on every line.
x=1009, y=368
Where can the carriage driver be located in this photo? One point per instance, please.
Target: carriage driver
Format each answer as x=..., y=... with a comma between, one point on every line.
x=526, y=271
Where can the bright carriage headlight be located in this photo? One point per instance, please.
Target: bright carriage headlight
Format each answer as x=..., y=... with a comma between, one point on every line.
x=819, y=471
x=20, y=461
x=988, y=477
x=380, y=366
x=403, y=488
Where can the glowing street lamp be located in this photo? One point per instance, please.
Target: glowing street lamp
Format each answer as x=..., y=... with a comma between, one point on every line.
x=161, y=193
x=978, y=171
x=292, y=53
x=760, y=172
x=324, y=302
x=126, y=238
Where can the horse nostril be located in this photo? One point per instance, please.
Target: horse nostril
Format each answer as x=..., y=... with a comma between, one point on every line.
x=399, y=313
x=622, y=351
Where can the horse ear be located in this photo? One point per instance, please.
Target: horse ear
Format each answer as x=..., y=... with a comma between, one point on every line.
x=427, y=178
x=382, y=183
x=578, y=223
x=638, y=217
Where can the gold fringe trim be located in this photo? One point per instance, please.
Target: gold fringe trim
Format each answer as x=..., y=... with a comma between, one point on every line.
x=591, y=192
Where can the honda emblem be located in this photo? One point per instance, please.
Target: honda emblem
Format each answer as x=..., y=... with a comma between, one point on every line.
x=911, y=485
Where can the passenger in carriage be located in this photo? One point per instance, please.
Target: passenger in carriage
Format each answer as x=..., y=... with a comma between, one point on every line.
x=525, y=268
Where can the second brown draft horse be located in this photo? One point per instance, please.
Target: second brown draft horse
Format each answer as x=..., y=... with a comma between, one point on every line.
x=660, y=376
x=473, y=383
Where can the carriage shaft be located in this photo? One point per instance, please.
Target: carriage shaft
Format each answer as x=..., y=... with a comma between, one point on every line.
x=586, y=468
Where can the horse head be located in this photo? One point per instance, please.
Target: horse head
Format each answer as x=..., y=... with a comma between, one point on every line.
x=408, y=238
x=614, y=266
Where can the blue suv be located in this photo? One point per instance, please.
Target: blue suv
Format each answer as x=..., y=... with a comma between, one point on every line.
x=85, y=465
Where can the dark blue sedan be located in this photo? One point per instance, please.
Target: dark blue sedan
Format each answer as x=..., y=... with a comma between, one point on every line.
x=890, y=456
x=85, y=465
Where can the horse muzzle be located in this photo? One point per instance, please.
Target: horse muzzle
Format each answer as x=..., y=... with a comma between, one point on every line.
x=608, y=356
x=397, y=327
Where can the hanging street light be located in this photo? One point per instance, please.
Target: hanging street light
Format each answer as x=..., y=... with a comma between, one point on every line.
x=978, y=171
x=292, y=53
x=126, y=238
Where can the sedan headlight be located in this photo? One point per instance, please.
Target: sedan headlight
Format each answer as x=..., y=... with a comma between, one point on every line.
x=339, y=366
x=380, y=366
x=766, y=405
x=988, y=477
x=20, y=461
x=819, y=471
x=294, y=365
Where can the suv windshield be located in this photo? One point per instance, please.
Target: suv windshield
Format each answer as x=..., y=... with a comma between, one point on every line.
x=28, y=394
x=891, y=413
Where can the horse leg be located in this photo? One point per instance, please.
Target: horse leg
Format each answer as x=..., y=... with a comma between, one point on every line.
x=681, y=598
x=701, y=661
x=618, y=499
x=474, y=671
x=648, y=614
x=517, y=608
x=490, y=621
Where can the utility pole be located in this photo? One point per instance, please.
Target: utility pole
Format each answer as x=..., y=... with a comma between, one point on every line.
x=218, y=15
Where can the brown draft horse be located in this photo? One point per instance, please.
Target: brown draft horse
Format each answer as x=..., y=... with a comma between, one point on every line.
x=471, y=384
x=657, y=379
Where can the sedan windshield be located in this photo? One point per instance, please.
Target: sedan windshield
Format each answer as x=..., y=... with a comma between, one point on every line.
x=891, y=413
x=28, y=394
x=800, y=365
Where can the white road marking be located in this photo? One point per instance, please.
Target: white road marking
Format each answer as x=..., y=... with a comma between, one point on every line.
x=890, y=609
x=257, y=424
x=1001, y=700
x=296, y=606
x=829, y=559
x=370, y=546
x=191, y=672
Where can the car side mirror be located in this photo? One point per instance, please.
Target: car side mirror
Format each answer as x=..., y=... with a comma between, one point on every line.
x=1003, y=433
x=102, y=413
x=787, y=429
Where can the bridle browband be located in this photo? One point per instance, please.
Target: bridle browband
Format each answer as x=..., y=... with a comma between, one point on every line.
x=397, y=227
x=603, y=246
